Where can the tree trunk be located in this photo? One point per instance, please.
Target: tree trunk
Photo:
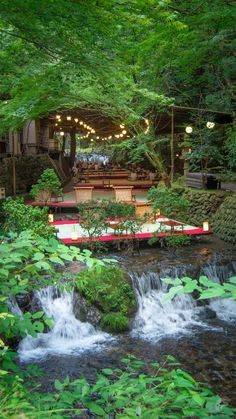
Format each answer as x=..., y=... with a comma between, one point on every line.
x=72, y=146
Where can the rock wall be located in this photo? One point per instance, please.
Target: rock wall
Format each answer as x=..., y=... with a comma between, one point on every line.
x=28, y=170
x=203, y=205
x=224, y=221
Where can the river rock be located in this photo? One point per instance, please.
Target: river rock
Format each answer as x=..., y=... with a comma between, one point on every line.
x=84, y=311
x=208, y=313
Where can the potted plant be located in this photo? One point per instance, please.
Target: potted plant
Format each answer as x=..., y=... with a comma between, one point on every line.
x=47, y=184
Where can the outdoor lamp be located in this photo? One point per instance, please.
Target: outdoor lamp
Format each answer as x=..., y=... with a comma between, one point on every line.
x=205, y=226
x=74, y=235
x=189, y=130
x=50, y=218
x=210, y=125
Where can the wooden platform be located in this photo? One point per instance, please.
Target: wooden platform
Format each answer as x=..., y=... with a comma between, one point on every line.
x=171, y=227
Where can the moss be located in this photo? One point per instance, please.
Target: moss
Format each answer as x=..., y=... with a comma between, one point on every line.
x=109, y=289
x=115, y=322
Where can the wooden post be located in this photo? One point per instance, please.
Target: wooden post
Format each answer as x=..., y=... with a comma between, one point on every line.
x=172, y=157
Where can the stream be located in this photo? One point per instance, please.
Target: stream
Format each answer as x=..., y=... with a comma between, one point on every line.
x=201, y=336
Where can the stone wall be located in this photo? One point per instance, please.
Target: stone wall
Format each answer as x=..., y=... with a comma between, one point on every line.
x=203, y=205
x=224, y=222
x=28, y=170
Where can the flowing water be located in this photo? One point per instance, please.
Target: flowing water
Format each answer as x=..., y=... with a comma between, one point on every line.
x=68, y=335
x=201, y=336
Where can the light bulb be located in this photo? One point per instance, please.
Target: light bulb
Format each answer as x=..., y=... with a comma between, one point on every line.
x=124, y=131
x=122, y=126
x=58, y=117
x=62, y=133
x=189, y=130
x=210, y=125
x=76, y=120
x=68, y=118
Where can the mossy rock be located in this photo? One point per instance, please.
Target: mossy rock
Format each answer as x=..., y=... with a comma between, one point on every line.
x=110, y=290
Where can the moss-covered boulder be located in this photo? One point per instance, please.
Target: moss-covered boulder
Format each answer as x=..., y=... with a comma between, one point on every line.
x=110, y=290
x=224, y=225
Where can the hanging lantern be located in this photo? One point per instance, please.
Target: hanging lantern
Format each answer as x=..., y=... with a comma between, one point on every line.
x=205, y=226
x=50, y=217
x=189, y=130
x=210, y=125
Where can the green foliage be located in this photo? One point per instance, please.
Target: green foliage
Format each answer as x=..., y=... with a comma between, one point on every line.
x=207, y=289
x=109, y=288
x=48, y=183
x=19, y=217
x=162, y=390
x=177, y=240
x=230, y=147
x=115, y=322
x=168, y=202
x=110, y=208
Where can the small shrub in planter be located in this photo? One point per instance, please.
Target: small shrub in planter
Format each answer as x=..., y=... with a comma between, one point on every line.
x=47, y=184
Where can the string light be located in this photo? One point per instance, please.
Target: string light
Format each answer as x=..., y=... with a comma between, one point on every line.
x=124, y=131
x=122, y=126
x=189, y=130
x=68, y=118
x=56, y=125
x=58, y=117
x=76, y=120
x=210, y=125
x=62, y=133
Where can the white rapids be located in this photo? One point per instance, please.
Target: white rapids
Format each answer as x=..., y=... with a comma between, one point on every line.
x=157, y=318
x=68, y=335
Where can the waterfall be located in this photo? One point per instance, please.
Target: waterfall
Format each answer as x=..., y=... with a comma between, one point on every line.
x=155, y=317
x=68, y=335
x=224, y=308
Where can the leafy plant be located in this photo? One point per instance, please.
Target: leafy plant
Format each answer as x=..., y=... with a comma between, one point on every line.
x=206, y=289
x=177, y=240
x=19, y=217
x=137, y=389
x=115, y=322
x=168, y=202
x=48, y=183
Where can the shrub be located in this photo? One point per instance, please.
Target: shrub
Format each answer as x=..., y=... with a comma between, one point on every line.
x=168, y=202
x=177, y=240
x=48, y=183
x=19, y=217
